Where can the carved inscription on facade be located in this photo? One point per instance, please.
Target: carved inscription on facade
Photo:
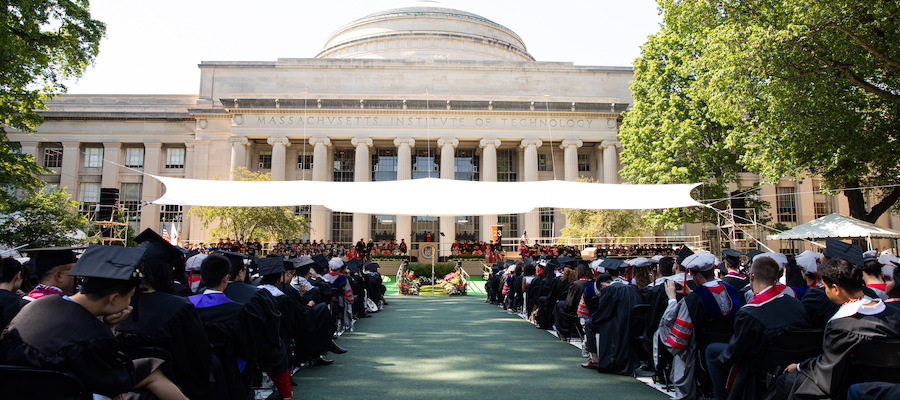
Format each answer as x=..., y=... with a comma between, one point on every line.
x=418, y=121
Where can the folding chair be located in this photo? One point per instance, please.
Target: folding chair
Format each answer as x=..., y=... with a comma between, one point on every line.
x=20, y=383
x=877, y=360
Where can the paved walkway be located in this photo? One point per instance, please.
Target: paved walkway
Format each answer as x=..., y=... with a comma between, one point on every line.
x=457, y=348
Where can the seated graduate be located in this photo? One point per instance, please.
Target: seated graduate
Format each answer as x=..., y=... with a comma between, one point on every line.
x=819, y=307
x=733, y=276
x=375, y=288
x=314, y=324
x=860, y=319
x=704, y=316
x=89, y=349
x=168, y=321
x=566, y=312
x=270, y=353
x=607, y=329
x=766, y=315
x=51, y=267
x=338, y=278
x=11, y=272
x=227, y=328
x=872, y=274
x=893, y=289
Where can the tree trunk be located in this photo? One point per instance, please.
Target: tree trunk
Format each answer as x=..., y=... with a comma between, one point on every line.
x=857, y=202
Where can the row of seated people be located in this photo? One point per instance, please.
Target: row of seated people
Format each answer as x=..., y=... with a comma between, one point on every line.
x=712, y=329
x=538, y=250
x=609, y=250
x=121, y=326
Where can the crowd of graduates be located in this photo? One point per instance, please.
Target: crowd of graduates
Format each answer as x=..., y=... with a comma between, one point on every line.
x=748, y=326
x=139, y=322
x=295, y=248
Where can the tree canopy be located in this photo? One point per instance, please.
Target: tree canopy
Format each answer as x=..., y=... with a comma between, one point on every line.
x=802, y=88
x=47, y=218
x=244, y=223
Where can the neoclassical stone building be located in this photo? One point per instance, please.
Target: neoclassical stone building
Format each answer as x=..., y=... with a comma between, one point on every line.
x=405, y=93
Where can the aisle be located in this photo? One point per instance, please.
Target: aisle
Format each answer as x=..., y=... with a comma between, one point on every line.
x=457, y=348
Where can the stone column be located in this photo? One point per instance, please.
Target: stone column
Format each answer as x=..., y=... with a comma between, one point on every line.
x=447, y=224
x=532, y=223
x=238, y=154
x=151, y=187
x=610, y=161
x=69, y=171
x=110, y=177
x=279, y=144
x=362, y=172
x=320, y=217
x=488, y=174
x=571, y=151
x=186, y=221
x=31, y=148
x=201, y=160
x=404, y=172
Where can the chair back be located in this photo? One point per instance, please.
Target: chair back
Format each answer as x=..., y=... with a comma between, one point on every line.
x=792, y=347
x=36, y=384
x=637, y=324
x=877, y=360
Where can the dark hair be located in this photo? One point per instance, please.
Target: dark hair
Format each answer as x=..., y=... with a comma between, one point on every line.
x=302, y=270
x=642, y=277
x=872, y=267
x=765, y=269
x=666, y=266
x=158, y=275
x=709, y=274
x=841, y=272
x=604, y=278
x=793, y=275
x=270, y=279
x=582, y=270
x=530, y=270
x=9, y=269
x=895, y=290
x=213, y=268
x=615, y=273
x=98, y=288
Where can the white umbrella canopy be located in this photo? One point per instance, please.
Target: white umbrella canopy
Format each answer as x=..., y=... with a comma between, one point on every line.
x=836, y=226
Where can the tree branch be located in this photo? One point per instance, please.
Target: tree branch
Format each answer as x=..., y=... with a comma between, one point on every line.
x=885, y=204
x=865, y=45
x=884, y=94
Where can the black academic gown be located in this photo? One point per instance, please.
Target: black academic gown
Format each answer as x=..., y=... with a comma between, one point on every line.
x=614, y=353
x=7, y=298
x=170, y=322
x=820, y=375
x=550, y=293
x=262, y=310
x=819, y=308
x=738, y=283
x=230, y=332
x=754, y=327
x=879, y=391
x=565, y=316
x=313, y=326
x=57, y=334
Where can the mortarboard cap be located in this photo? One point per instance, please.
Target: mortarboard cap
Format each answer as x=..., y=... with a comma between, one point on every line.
x=111, y=262
x=372, y=266
x=596, y=265
x=270, y=265
x=808, y=261
x=509, y=262
x=193, y=263
x=321, y=262
x=188, y=253
x=612, y=264
x=700, y=262
x=732, y=256
x=639, y=262
x=291, y=264
x=779, y=258
x=527, y=261
x=353, y=265
x=655, y=259
x=870, y=255
x=304, y=260
x=48, y=258
x=236, y=259
x=837, y=249
x=752, y=253
x=888, y=263
x=564, y=259
x=336, y=263
x=159, y=248
x=683, y=253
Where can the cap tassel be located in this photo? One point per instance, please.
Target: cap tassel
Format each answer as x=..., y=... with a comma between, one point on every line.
x=684, y=286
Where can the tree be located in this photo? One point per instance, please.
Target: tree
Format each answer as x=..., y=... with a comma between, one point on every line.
x=603, y=223
x=244, y=223
x=813, y=85
x=42, y=43
x=47, y=218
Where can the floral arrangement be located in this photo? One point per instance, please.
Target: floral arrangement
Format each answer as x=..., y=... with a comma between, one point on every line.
x=454, y=284
x=408, y=284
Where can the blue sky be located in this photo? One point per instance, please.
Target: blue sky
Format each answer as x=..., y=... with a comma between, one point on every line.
x=154, y=47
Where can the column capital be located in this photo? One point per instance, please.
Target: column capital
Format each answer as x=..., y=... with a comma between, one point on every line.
x=280, y=140
x=361, y=141
x=319, y=139
x=448, y=141
x=489, y=142
x=607, y=143
x=531, y=142
x=407, y=141
x=241, y=139
x=571, y=142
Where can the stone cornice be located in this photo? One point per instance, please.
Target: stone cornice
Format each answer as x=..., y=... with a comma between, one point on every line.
x=281, y=105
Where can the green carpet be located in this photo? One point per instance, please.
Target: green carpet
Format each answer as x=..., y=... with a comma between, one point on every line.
x=457, y=348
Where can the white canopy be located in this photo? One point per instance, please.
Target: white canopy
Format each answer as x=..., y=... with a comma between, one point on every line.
x=836, y=226
x=426, y=197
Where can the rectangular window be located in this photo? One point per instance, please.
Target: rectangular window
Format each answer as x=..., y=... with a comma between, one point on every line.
x=342, y=227
x=93, y=157
x=53, y=157
x=786, y=204
x=467, y=228
x=304, y=161
x=584, y=162
x=510, y=224
x=89, y=193
x=134, y=157
x=169, y=214
x=130, y=200
x=424, y=165
x=546, y=222
x=175, y=158
x=466, y=165
x=304, y=211
x=507, y=166
x=545, y=162
x=822, y=202
x=424, y=228
x=384, y=227
x=265, y=160
x=384, y=165
x=344, y=165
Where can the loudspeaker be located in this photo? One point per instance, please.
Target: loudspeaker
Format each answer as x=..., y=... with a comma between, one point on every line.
x=109, y=198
